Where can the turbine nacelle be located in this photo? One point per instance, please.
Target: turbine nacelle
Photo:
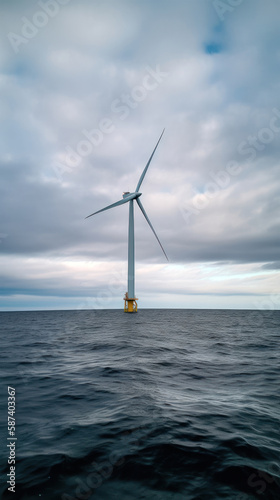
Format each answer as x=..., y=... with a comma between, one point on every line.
x=131, y=196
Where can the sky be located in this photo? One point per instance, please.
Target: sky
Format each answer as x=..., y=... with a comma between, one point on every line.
x=86, y=90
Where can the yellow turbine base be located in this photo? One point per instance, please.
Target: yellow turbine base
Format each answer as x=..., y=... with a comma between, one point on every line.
x=130, y=305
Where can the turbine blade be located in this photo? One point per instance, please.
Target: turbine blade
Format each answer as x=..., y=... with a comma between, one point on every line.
x=147, y=166
x=147, y=219
x=121, y=202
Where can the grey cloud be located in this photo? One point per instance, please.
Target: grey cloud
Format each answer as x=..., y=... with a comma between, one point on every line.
x=271, y=266
x=65, y=79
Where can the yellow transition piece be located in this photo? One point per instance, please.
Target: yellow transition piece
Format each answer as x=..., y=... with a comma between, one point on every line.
x=130, y=305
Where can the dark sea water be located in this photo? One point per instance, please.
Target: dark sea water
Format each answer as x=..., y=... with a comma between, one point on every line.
x=162, y=404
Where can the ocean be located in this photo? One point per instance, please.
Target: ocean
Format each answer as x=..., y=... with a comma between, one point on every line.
x=160, y=405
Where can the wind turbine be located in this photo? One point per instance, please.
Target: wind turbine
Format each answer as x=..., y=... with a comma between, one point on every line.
x=130, y=304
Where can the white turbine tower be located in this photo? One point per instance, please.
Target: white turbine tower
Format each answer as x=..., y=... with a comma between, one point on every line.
x=130, y=304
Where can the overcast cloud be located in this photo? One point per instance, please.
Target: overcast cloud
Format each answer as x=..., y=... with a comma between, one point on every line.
x=86, y=89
